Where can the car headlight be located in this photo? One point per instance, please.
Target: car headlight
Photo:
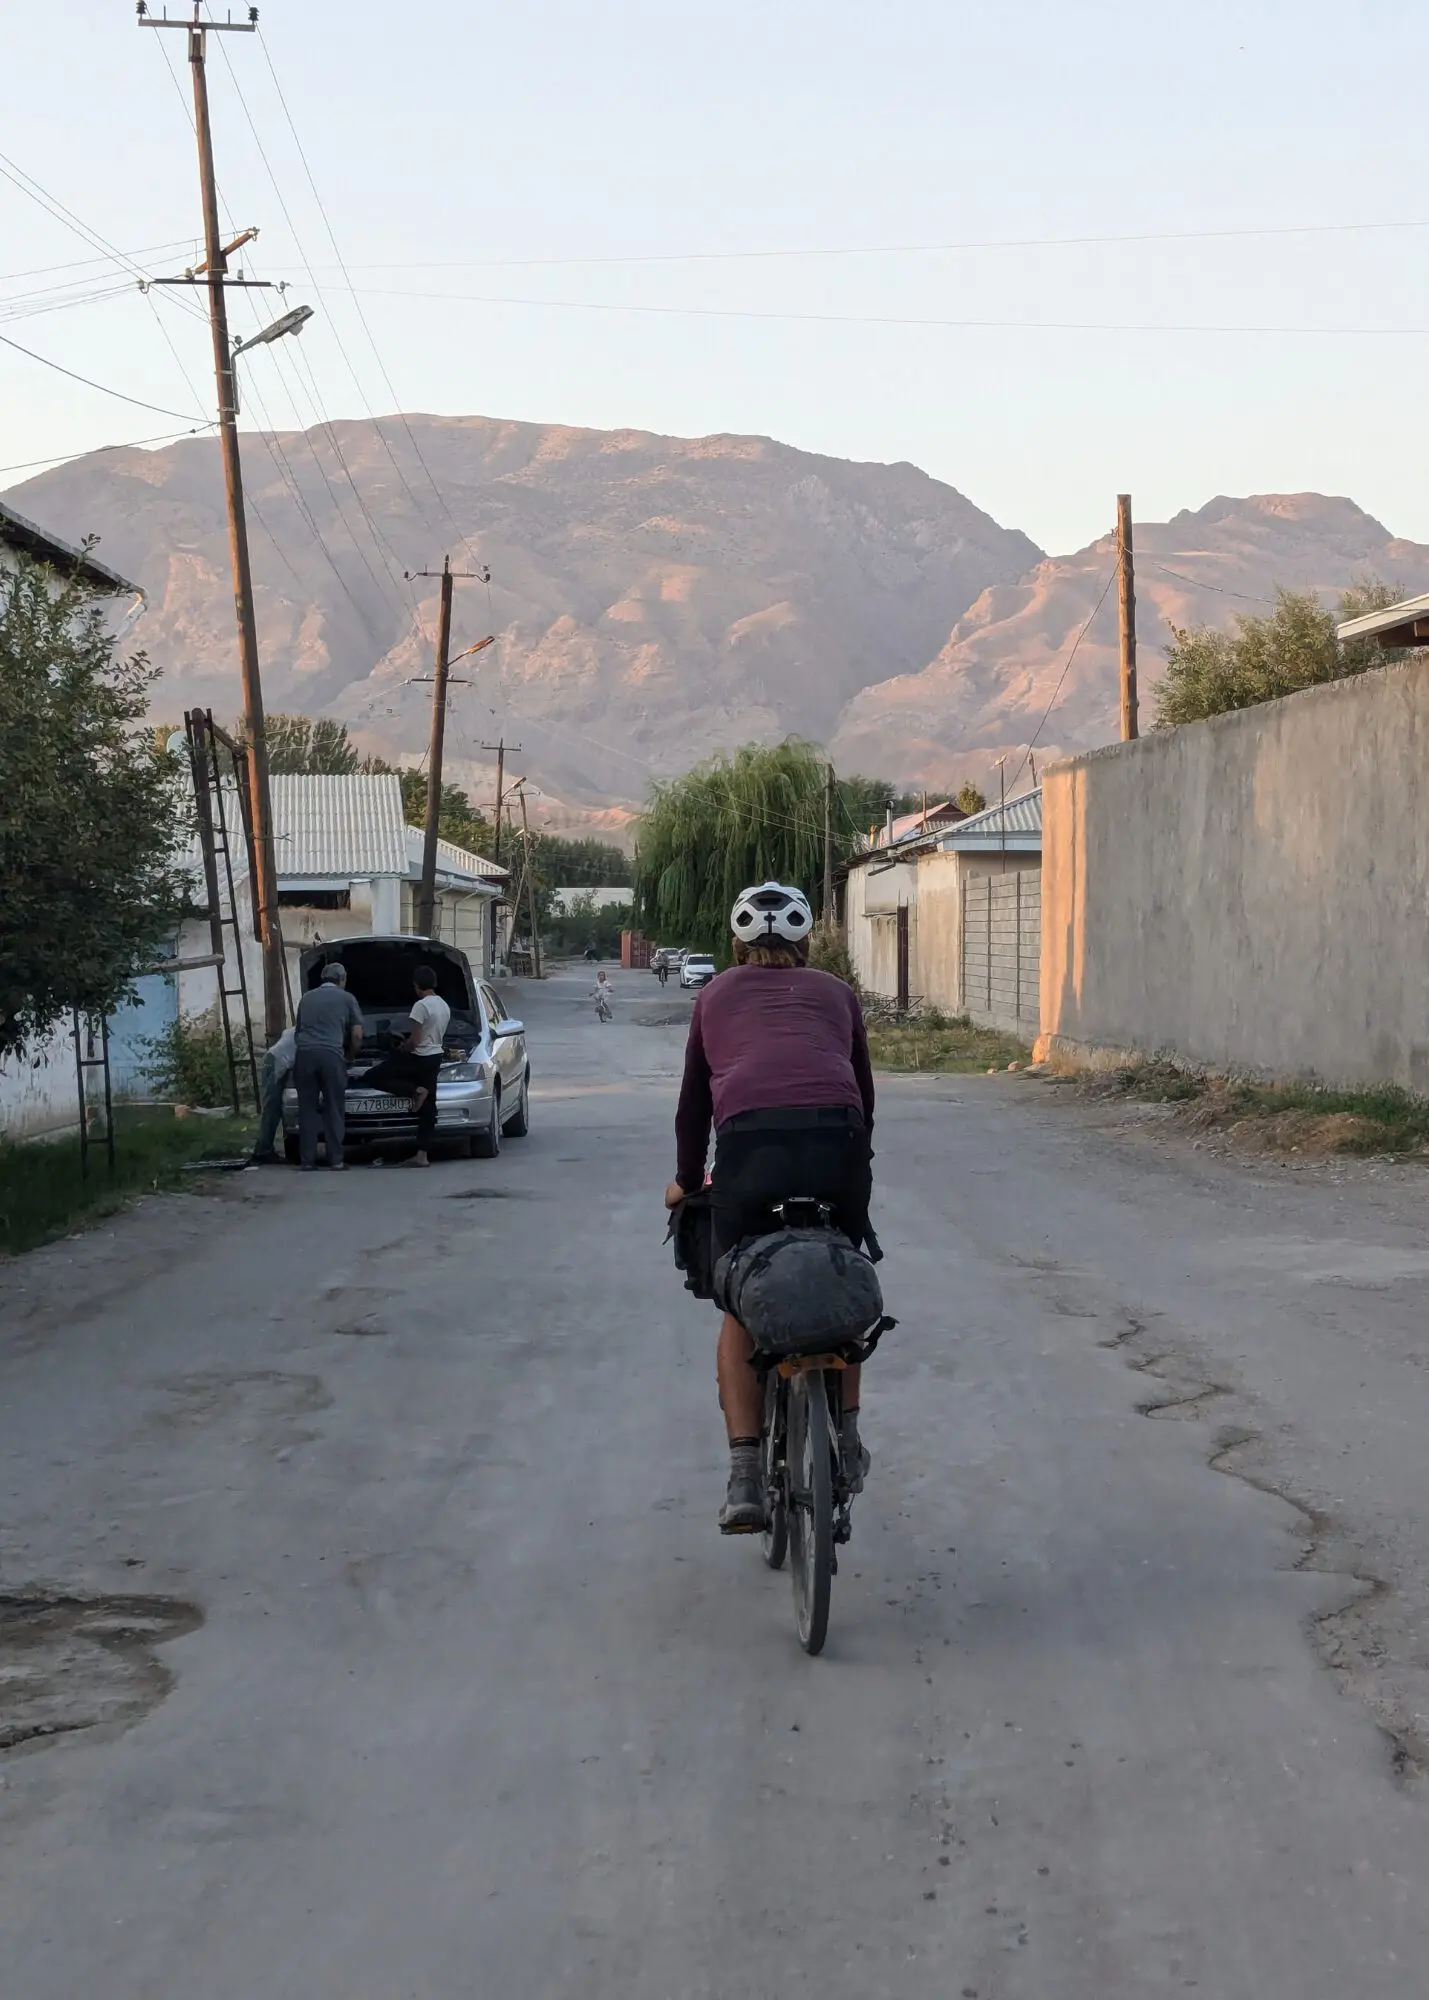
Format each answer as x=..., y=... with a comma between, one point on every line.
x=461, y=1072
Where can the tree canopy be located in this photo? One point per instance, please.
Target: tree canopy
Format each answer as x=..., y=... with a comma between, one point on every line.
x=735, y=820
x=89, y=811
x=969, y=799
x=300, y=746
x=1294, y=646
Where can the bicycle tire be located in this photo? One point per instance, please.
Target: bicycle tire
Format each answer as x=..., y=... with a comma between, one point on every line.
x=811, y=1512
x=775, y=1541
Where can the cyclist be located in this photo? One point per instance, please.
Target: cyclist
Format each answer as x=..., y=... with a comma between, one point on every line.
x=777, y=1061
x=600, y=993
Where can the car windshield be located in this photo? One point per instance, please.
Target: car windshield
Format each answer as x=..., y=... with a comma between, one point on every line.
x=699, y=964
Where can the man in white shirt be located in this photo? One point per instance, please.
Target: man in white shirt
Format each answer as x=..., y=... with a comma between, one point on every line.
x=411, y=1071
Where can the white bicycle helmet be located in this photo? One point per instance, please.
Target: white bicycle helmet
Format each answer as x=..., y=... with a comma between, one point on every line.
x=771, y=911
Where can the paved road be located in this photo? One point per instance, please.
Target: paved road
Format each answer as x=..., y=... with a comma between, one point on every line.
x=414, y=1479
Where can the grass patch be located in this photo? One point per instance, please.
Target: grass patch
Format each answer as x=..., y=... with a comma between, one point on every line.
x=941, y=1044
x=43, y=1193
x=1280, y=1117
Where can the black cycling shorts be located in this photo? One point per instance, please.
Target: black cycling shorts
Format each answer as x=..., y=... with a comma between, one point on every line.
x=762, y=1157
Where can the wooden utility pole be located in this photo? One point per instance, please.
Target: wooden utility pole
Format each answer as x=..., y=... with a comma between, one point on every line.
x=441, y=681
x=215, y=269
x=501, y=749
x=530, y=888
x=1126, y=602
x=827, y=912
x=427, y=890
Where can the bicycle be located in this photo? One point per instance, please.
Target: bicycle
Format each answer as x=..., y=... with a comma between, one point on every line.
x=808, y=1495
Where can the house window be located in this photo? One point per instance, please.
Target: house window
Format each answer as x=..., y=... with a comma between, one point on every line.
x=315, y=899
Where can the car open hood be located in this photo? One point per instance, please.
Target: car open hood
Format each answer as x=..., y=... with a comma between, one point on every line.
x=380, y=969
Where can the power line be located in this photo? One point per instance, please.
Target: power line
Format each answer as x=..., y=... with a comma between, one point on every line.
x=896, y=249
x=93, y=451
x=332, y=238
x=1076, y=647
x=55, y=208
x=82, y=263
x=307, y=263
x=103, y=388
x=881, y=319
x=1220, y=589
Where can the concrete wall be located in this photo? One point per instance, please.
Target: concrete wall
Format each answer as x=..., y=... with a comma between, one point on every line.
x=38, y=1095
x=1252, y=892
x=871, y=906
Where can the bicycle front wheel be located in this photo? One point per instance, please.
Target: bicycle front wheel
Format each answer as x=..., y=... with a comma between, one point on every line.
x=811, y=1508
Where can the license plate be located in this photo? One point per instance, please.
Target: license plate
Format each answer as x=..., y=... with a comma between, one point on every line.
x=384, y=1107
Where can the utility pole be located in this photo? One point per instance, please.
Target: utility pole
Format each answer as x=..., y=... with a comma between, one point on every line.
x=530, y=886
x=1126, y=601
x=215, y=270
x=427, y=891
x=441, y=681
x=500, y=749
x=827, y=912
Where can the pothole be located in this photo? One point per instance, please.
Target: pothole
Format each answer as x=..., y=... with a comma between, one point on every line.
x=481, y=1194
x=75, y=1663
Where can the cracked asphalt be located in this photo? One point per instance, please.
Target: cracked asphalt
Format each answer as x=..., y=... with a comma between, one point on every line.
x=365, y=1632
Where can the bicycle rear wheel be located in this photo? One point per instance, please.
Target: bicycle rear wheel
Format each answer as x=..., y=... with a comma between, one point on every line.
x=811, y=1509
x=771, y=1457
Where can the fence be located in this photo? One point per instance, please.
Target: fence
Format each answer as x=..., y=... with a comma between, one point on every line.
x=1002, y=933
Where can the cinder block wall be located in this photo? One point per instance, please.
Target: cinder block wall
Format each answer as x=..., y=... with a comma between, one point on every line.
x=1252, y=892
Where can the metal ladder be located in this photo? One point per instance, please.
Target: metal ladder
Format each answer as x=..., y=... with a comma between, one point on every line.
x=205, y=738
x=84, y=1038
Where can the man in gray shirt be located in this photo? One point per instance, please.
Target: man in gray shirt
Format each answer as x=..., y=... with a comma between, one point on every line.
x=329, y=1030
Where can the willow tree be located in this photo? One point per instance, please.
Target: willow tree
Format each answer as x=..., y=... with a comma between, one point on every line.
x=747, y=818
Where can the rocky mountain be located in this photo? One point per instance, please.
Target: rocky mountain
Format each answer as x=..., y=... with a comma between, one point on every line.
x=654, y=599
x=1006, y=662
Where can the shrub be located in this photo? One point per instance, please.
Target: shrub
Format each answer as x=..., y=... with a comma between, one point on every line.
x=188, y=1062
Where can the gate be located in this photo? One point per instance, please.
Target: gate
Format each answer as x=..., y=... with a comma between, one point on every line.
x=1002, y=942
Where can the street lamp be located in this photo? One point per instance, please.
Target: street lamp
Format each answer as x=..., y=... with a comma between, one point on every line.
x=291, y=322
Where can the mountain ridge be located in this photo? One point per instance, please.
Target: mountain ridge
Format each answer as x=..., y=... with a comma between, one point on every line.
x=658, y=599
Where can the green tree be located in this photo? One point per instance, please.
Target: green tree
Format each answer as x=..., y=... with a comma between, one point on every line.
x=457, y=820
x=582, y=924
x=582, y=864
x=970, y=799
x=89, y=811
x=733, y=821
x=1210, y=672
x=298, y=746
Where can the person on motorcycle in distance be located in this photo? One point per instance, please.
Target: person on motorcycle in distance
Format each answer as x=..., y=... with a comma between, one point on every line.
x=777, y=1060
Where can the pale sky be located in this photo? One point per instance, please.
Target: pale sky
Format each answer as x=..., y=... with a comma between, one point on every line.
x=456, y=147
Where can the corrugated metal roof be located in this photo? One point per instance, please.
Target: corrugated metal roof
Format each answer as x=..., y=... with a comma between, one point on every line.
x=348, y=828
x=455, y=861
x=986, y=829
x=1411, y=613
x=21, y=533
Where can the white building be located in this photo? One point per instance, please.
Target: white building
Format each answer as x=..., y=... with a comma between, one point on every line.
x=347, y=865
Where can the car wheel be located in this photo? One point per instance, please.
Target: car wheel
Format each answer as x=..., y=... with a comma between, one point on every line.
x=487, y=1145
x=519, y=1124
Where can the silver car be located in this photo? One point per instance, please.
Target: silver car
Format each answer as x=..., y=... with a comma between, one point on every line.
x=484, y=1085
x=697, y=970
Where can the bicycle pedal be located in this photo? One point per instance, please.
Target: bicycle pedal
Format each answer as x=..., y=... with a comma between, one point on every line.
x=742, y=1527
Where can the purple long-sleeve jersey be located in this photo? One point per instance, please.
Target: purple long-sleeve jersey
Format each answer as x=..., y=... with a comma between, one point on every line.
x=766, y=1038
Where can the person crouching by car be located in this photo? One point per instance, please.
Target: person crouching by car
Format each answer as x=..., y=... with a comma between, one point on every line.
x=329, y=1031
x=277, y=1068
x=411, y=1071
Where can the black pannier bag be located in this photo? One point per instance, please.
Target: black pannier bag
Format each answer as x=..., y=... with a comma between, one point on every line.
x=691, y=1229
x=799, y=1291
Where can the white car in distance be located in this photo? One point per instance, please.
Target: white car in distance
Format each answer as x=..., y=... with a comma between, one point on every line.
x=697, y=970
